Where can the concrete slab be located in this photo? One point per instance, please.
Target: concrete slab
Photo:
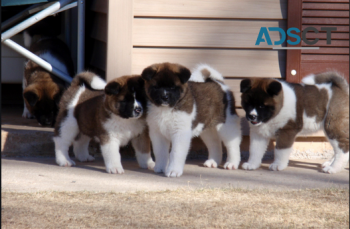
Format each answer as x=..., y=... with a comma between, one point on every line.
x=34, y=174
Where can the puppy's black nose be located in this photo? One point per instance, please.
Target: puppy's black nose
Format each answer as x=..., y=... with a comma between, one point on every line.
x=138, y=110
x=165, y=97
x=252, y=117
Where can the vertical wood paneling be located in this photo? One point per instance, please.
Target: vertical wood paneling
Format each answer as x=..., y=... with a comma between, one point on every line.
x=119, y=39
x=293, y=56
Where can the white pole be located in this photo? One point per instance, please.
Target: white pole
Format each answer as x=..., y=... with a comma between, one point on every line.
x=33, y=19
x=31, y=56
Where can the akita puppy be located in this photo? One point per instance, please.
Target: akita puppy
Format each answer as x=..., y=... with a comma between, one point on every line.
x=284, y=110
x=179, y=109
x=112, y=114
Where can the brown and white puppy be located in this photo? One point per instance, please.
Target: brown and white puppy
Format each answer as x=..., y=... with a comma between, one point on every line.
x=112, y=114
x=179, y=109
x=42, y=90
x=284, y=110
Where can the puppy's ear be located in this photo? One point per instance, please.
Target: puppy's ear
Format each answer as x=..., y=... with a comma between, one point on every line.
x=149, y=72
x=112, y=88
x=274, y=88
x=31, y=98
x=184, y=75
x=245, y=85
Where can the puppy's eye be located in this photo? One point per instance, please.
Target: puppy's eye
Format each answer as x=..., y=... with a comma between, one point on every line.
x=262, y=106
x=172, y=88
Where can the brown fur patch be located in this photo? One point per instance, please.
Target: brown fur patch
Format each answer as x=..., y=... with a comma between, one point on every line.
x=211, y=101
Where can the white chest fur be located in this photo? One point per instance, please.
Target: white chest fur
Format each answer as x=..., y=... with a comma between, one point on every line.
x=123, y=130
x=288, y=112
x=169, y=121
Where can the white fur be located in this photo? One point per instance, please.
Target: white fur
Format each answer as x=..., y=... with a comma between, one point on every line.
x=254, y=112
x=212, y=141
x=257, y=148
x=97, y=83
x=339, y=160
x=167, y=125
x=309, y=80
x=54, y=62
x=119, y=130
x=81, y=149
x=197, y=130
x=281, y=159
x=69, y=130
x=260, y=135
x=287, y=112
x=26, y=113
x=197, y=76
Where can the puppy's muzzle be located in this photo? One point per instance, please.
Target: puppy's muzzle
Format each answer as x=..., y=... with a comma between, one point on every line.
x=138, y=110
x=253, y=118
x=165, y=98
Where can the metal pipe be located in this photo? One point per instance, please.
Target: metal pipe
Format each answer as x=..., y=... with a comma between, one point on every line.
x=33, y=19
x=81, y=36
x=31, y=56
x=67, y=7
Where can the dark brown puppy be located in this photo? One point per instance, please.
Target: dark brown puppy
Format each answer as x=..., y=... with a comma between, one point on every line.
x=284, y=110
x=180, y=109
x=42, y=90
x=112, y=114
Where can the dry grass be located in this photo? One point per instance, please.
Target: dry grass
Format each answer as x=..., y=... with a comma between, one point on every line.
x=231, y=208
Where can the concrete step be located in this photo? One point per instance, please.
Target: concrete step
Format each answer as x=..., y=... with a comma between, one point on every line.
x=24, y=137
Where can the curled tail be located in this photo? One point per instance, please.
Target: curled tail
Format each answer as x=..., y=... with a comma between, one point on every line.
x=90, y=80
x=204, y=72
x=326, y=78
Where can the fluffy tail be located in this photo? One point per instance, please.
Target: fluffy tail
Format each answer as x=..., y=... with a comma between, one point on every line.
x=203, y=71
x=90, y=80
x=327, y=77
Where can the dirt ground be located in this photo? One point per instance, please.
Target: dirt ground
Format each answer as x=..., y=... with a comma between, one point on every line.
x=206, y=208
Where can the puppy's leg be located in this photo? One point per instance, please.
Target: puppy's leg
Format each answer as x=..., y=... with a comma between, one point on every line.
x=211, y=139
x=180, y=144
x=160, y=147
x=81, y=148
x=68, y=131
x=230, y=134
x=111, y=156
x=26, y=113
x=339, y=161
x=281, y=159
x=283, y=149
x=257, y=147
x=142, y=147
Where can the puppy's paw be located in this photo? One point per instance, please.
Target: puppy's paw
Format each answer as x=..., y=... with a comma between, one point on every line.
x=210, y=163
x=250, y=166
x=159, y=167
x=115, y=169
x=85, y=158
x=330, y=169
x=151, y=164
x=27, y=114
x=278, y=166
x=231, y=165
x=65, y=162
x=174, y=171
x=327, y=163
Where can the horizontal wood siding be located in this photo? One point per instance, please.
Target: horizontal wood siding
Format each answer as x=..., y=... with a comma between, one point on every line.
x=201, y=33
x=221, y=33
x=334, y=56
x=255, y=9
